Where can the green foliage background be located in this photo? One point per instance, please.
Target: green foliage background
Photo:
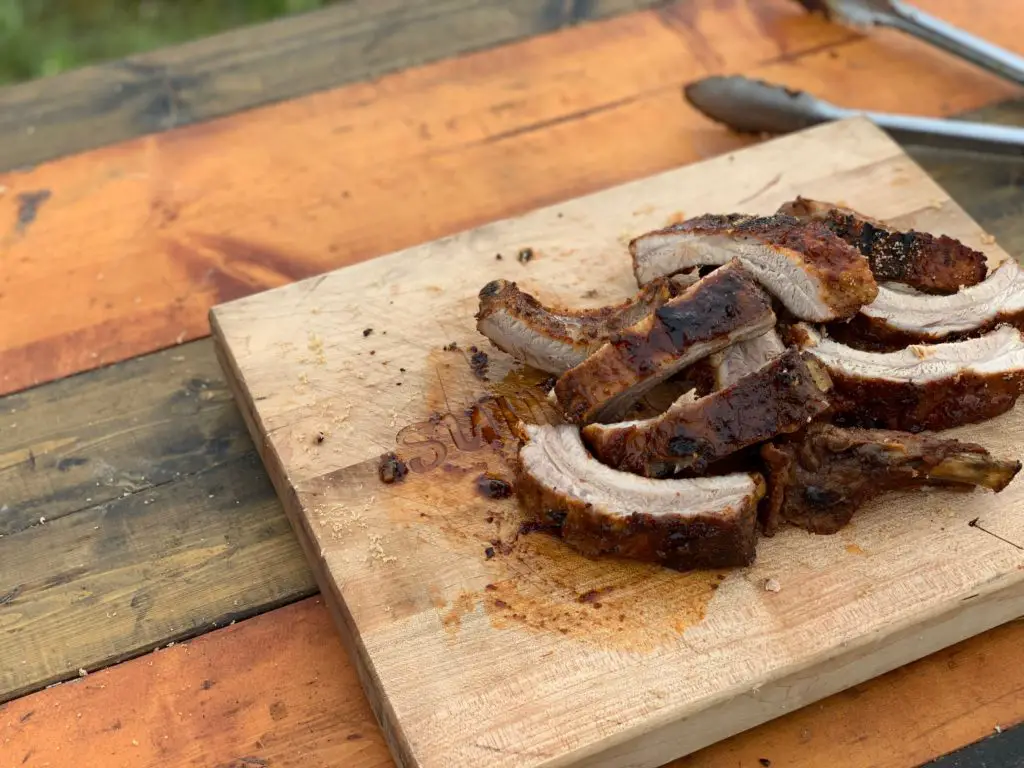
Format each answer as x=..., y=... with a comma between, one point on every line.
x=44, y=37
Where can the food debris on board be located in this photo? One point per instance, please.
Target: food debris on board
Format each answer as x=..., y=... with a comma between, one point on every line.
x=391, y=469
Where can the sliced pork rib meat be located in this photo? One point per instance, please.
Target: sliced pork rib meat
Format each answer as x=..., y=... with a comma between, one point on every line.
x=922, y=387
x=923, y=261
x=555, y=340
x=729, y=365
x=815, y=274
x=780, y=397
x=819, y=479
x=806, y=208
x=707, y=522
x=726, y=306
x=896, y=319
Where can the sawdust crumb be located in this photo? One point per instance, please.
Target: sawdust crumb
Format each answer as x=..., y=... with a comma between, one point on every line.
x=316, y=346
x=772, y=585
x=935, y=203
x=988, y=239
x=377, y=549
x=303, y=378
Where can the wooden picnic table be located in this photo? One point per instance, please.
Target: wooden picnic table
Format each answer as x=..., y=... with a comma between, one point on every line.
x=146, y=565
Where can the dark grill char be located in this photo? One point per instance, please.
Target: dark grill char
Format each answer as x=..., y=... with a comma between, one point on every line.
x=780, y=397
x=819, y=478
x=925, y=262
x=726, y=306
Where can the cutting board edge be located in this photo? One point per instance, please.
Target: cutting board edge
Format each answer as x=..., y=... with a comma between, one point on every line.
x=345, y=624
x=855, y=664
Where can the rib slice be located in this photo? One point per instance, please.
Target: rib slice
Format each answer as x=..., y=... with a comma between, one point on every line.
x=555, y=340
x=922, y=387
x=731, y=364
x=898, y=318
x=707, y=522
x=923, y=261
x=819, y=479
x=780, y=397
x=815, y=274
x=720, y=309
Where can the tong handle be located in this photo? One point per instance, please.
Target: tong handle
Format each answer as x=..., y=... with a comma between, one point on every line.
x=1006, y=140
x=956, y=41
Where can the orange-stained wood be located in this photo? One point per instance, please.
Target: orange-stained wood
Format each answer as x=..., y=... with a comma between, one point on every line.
x=279, y=689
x=122, y=250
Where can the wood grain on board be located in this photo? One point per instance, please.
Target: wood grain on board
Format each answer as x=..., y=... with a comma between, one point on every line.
x=279, y=688
x=475, y=642
x=244, y=68
x=122, y=250
x=133, y=512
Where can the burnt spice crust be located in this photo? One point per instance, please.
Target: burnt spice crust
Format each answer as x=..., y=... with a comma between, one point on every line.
x=780, y=397
x=930, y=264
x=842, y=271
x=915, y=407
x=711, y=309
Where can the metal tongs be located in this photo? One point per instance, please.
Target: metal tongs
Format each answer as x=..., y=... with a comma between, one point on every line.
x=755, y=106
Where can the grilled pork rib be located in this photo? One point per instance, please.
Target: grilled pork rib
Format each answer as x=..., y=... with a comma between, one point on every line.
x=556, y=340
x=815, y=274
x=817, y=480
x=897, y=318
x=781, y=396
x=707, y=522
x=720, y=309
x=925, y=262
x=729, y=365
x=927, y=387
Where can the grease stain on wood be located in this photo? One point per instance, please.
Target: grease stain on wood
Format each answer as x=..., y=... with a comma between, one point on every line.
x=532, y=582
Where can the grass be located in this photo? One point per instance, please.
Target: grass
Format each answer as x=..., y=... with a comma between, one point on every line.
x=45, y=37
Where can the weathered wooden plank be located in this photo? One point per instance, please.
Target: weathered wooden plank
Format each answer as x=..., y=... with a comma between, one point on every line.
x=121, y=578
x=133, y=511
x=234, y=71
x=235, y=697
x=136, y=241
x=278, y=690
x=125, y=429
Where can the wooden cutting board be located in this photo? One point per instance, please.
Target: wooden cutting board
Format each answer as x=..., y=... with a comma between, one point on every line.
x=481, y=646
